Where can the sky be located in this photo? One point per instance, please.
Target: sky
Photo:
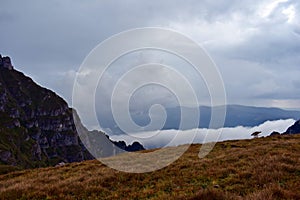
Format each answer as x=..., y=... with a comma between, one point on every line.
x=255, y=44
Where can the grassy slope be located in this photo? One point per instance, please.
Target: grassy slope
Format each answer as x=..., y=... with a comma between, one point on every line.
x=264, y=168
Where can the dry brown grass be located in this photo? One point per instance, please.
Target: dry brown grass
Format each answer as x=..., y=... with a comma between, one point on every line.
x=264, y=168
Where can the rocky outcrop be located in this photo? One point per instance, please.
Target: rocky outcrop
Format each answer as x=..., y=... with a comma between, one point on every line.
x=6, y=62
x=42, y=118
x=135, y=146
x=37, y=128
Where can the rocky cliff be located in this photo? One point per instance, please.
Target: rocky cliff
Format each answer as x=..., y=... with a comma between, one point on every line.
x=37, y=127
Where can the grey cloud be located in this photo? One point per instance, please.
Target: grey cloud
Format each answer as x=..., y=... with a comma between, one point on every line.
x=48, y=40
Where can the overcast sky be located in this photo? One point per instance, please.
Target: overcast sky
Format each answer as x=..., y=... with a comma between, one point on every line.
x=255, y=43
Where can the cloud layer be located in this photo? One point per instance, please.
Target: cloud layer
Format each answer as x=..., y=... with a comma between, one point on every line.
x=157, y=139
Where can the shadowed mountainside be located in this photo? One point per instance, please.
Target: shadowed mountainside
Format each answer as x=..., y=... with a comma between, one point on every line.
x=294, y=129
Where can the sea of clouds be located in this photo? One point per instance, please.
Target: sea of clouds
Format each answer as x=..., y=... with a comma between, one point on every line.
x=158, y=139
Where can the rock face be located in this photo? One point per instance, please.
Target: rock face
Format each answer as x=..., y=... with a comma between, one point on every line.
x=37, y=128
x=36, y=125
x=294, y=129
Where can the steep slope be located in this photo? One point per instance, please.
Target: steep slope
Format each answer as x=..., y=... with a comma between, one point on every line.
x=37, y=126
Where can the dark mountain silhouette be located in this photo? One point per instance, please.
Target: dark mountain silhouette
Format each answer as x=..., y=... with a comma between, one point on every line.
x=37, y=128
x=294, y=129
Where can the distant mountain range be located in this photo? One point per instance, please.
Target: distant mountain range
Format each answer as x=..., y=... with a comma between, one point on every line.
x=37, y=127
x=236, y=115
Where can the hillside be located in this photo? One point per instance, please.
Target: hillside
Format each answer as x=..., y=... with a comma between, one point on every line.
x=264, y=168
